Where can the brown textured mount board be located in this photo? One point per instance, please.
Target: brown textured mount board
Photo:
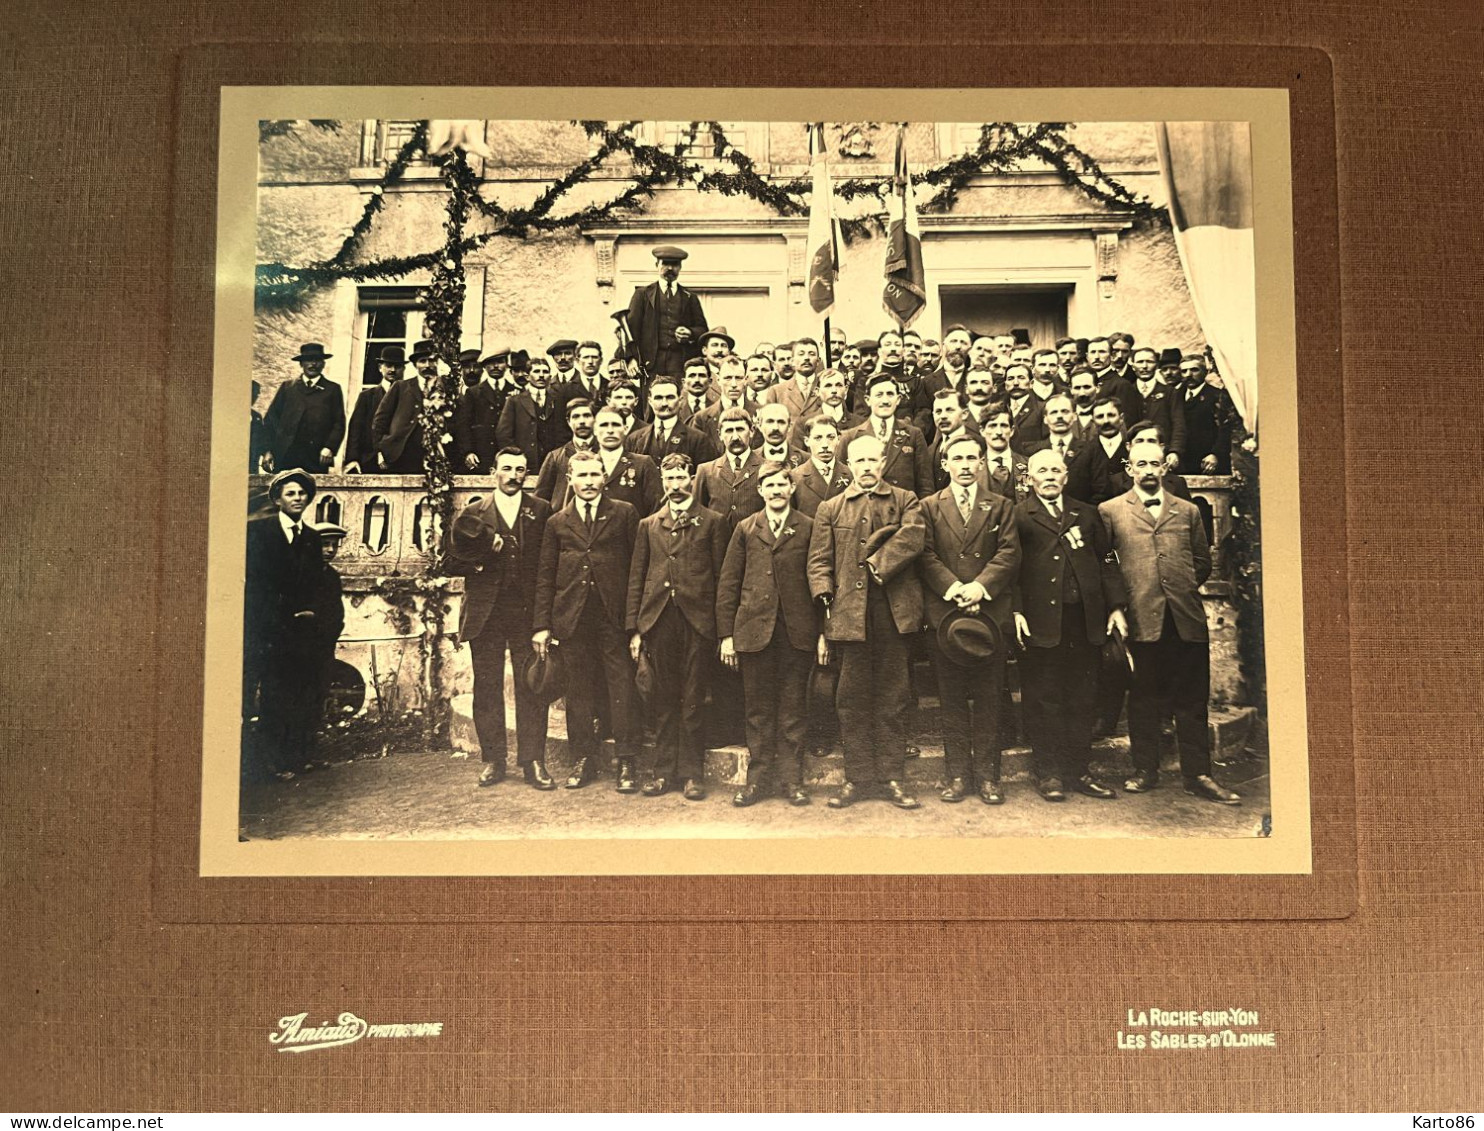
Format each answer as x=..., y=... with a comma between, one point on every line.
x=113, y=1003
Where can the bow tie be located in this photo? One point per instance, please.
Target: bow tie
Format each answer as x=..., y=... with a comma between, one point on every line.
x=1151, y=503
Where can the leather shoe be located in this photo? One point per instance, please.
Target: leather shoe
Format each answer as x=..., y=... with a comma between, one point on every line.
x=1051, y=789
x=749, y=794
x=492, y=774
x=989, y=793
x=1206, y=786
x=694, y=790
x=795, y=795
x=626, y=782
x=537, y=776
x=1091, y=787
x=957, y=790
x=578, y=777
x=656, y=787
x=1142, y=781
x=913, y=751
x=844, y=797
x=900, y=797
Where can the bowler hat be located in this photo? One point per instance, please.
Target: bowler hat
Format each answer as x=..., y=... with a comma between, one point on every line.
x=311, y=351
x=670, y=253
x=967, y=639
x=423, y=349
x=1021, y=335
x=520, y=360
x=393, y=355
x=291, y=475
x=1169, y=356
x=719, y=332
x=469, y=535
x=545, y=679
x=561, y=344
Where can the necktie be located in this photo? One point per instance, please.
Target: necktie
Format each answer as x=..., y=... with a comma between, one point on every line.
x=293, y=534
x=881, y=431
x=737, y=465
x=777, y=528
x=999, y=464
x=964, y=510
x=1054, y=506
x=589, y=516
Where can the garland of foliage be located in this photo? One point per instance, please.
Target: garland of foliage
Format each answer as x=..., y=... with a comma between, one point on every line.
x=1244, y=566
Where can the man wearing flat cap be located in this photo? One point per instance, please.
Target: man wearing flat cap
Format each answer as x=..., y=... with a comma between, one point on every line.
x=478, y=415
x=563, y=354
x=665, y=320
x=281, y=643
x=360, y=439
x=305, y=423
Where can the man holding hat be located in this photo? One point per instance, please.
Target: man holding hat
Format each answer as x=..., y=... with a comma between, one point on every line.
x=477, y=416
x=970, y=555
x=305, y=423
x=665, y=319
x=861, y=551
x=397, y=424
x=360, y=439
x=1068, y=596
x=495, y=546
x=280, y=641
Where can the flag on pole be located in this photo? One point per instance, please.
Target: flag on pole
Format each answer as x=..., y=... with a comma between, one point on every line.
x=824, y=242
x=1207, y=169
x=906, y=292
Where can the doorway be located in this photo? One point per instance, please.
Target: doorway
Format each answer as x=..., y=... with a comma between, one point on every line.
x=989, y=308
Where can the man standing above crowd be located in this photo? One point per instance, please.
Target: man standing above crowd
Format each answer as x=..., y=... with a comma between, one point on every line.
x=476, y=420
x=861, y=551
x=398, y=425
x=672, y=616
x=360, y=439
x=581, y=599
x=495, y=546
x=666, y=433
x=531, y=420
x=906, y=452
x=968, y=566
x=1209, y=414
x=1164, y=557
x=665, y=320
x=305, y=422
x=1158, y=403
x=1068, y=596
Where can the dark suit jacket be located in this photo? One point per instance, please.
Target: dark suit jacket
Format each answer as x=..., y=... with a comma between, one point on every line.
x=838, y=562
x=906, y=464
x=1012, y=485
x=300, y=423
x=360, y=440
x=1209, y=416
x=568, y=391
x=644, y=323
x=1122, y=390
x=533, y=431
x=732, y=496
x=810, y=488
x=1164, y=564
x=281, y=581
x=1163, y=407
x=935, y=458
x=763, y=579
x=577, y=567
x=476, y=422
x=1029, y=423
x=798, y=439
x=709, y=421
x=505, y=580
x=683, y=438
x=687, y=415
x=986, y=551
x=676, y=562
x=1047, y=550
x=396, y=421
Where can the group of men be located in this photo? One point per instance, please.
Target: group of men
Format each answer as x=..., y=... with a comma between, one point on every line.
x=683, y=517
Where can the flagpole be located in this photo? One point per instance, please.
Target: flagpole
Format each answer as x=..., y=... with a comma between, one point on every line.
x=828, y=361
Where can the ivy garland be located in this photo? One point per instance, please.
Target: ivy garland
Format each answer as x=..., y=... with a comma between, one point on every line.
x=1244, y=565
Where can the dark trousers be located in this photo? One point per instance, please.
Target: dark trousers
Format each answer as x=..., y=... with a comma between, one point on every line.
x=971, y=737
x=1177, y=672
x=1059, y=695
x=872, y=696
x=291, y=701
x=679, y=657
x=775, y=683
x=596, y=658
x=487, y=659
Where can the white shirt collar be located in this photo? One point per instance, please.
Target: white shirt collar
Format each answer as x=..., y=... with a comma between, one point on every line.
x=288, y=524
x=610, y=459
x=1110, y=443
x=508, y=506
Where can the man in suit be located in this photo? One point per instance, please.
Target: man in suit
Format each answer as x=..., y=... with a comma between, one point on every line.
x=774, y=428
x=1083, y=387
x=1110, y=382
x=728, y=484
x=587, y=380
x=715, y=344
x=906, y=463
x=979, y=395
x=1027, y=413
x=799, y=394
x=695, y=390
x=861, y=553
x=476, y=420
x=1120, y=353
x=969, y=561
x=397, y=424
x=1158, y=403
x=630, y=477
x=551, y=481
x=732, y=376
x=821, y=476
x=280, y=638
x=469, y=369
x=1090, y=474
x=531, y=420
x=1162, y=552
x=581, y=598
x=666, y=433
x=1209, y=414
x=760, y=375
x=950, y=420
x=563, y=354
x=955, y=364
x=623, y=398
x=1059, y=416
x=665, y=320
x=305, y=421
x=672, y=616
x=1004, y=468
x=914, y=401
x=360, y=439
x=1067, y=597
x=832, y=392
x=769, y=629
x=495, y=546
x=1069, y=356
x=1046, y=375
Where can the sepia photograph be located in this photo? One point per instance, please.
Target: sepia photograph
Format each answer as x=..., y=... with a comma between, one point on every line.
x=640, y=485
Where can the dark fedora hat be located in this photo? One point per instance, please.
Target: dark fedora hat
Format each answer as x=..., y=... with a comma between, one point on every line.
x=520, y=360
x=468, y=357
x=718, y=332
x=311, y=351
x=469, y=535
x=545, y=679
x=1116, y=658
x=423, y=349
x=393, y=355
x=1169, y=356
x=291, y=475
x=967, y=639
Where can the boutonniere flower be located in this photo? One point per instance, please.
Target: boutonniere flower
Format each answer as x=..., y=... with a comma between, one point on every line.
x=984, y=506
x=527, y=512
x=1073, y=535
x=788, y=531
